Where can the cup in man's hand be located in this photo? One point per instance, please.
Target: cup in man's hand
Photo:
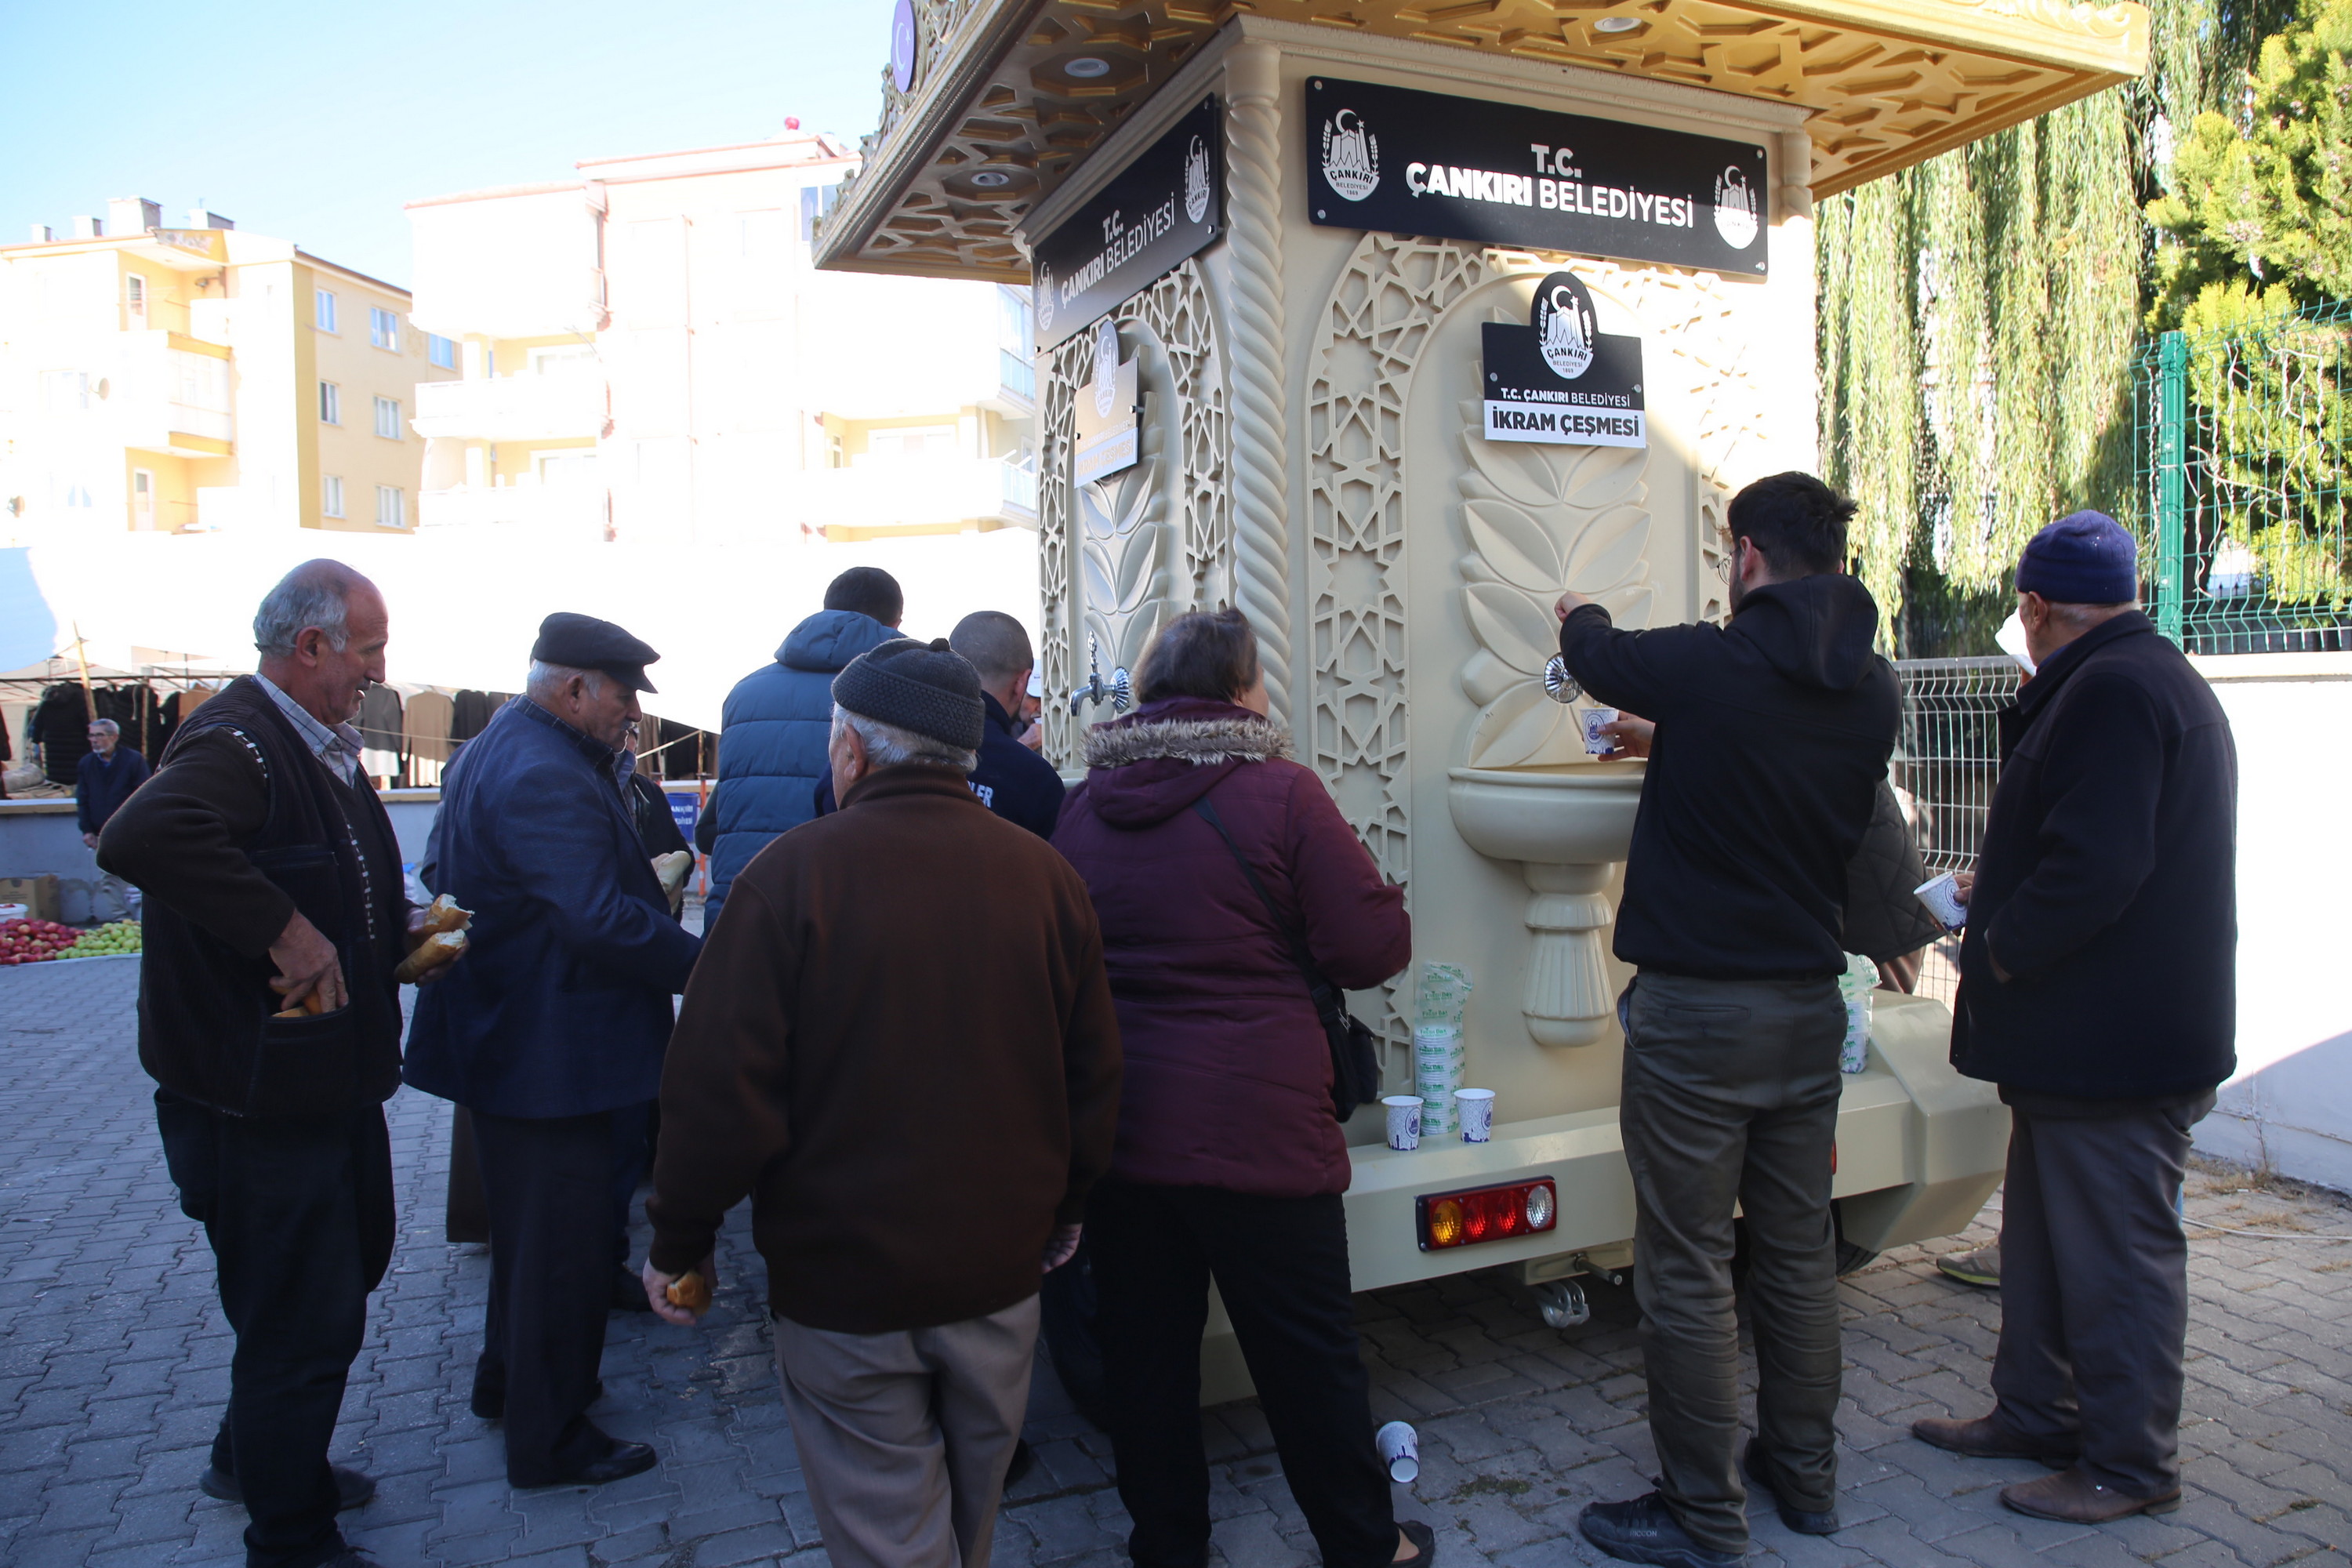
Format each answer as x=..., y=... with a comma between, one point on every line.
x=1942, y=897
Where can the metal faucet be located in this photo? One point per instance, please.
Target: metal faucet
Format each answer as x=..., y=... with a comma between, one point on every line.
x=1118, y=691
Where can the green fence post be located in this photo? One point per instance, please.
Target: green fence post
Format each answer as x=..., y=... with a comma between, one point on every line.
x=2171, y=479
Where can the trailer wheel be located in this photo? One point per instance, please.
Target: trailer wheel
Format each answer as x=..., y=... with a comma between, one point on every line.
x=1066, y=1311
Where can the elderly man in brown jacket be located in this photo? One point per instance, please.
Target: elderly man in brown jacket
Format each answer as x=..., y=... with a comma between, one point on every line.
x=900, y=1043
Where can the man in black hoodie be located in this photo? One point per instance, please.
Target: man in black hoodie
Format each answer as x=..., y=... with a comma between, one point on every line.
x=1772, y=736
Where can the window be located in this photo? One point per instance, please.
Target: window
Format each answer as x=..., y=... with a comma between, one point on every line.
x=564, y=359
x=384, y=329
x=816, y=201
x=142, y=499
x=135, y=298
x=64, y=391
x=441, y=350
x=387, y=418
x=391, y=507
x=330, y=497
x=324, y=316
x=331, y=404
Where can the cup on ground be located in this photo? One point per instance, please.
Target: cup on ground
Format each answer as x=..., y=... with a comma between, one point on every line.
x=1400, y=1447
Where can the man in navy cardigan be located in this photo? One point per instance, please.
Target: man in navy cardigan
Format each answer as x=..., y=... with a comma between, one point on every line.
x=2098, y=989
x=555, y=1023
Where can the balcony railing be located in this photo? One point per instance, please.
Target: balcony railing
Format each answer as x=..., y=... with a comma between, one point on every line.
x=924, y=493
x=549, y=407
x=564, y=511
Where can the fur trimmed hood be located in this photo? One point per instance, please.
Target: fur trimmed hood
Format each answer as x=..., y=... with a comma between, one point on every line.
x=1157, y=761
x=1242, y=738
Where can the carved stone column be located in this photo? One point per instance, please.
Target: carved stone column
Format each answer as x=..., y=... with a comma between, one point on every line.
x=1261, y=463
x=1568, y=1000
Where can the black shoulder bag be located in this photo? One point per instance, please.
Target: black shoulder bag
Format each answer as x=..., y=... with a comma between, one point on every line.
x=1355, y=1068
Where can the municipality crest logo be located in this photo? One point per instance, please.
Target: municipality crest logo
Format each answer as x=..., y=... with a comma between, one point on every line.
x=1044, y=302
x=1196, y=181
x=1351, y=156
x=1106, y=368
x=1737, y=207
x=1564, y=326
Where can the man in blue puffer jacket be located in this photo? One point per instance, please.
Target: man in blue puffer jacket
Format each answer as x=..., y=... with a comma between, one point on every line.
x=777, y=721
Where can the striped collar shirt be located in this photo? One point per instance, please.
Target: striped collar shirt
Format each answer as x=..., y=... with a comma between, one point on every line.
x=336, y=745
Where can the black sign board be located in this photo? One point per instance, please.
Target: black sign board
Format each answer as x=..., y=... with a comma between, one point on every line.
x=1164, y=205
x=1403, y=162
x=1560, y=381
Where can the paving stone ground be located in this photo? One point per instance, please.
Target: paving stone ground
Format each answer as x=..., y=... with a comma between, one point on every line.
x=113, y=1364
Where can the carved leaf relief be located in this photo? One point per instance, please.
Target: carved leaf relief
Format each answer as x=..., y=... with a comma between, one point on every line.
x=1540, y=519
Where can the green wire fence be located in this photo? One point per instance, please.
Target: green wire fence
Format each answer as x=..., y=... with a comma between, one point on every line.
x=2243, y=439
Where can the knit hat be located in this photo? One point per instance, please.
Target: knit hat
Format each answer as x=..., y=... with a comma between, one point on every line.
x=2084, y=558
x=924, y=687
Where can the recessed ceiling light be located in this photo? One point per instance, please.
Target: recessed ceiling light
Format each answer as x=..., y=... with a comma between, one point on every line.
x=991, y=178
x=1616, y=24
x=1087, y=67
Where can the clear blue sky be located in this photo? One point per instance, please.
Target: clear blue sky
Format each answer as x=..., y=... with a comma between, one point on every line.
x=314, y=123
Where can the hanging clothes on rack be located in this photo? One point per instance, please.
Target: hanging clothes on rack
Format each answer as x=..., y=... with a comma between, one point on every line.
x=61, y=728
x=381, y=732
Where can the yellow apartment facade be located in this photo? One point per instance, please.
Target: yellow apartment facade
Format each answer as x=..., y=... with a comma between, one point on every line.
x=190, y=377
x=649, y=353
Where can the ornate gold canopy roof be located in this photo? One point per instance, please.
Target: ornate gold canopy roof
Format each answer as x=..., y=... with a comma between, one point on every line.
x=995, y=118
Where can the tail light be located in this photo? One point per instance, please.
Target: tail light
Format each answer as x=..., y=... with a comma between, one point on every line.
x=1486, y=1214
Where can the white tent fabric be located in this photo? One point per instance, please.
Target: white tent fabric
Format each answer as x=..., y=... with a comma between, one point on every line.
x=465, y=606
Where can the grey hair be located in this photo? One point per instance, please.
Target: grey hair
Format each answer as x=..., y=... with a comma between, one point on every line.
x=544, y=678
x=108, y=725
x=315, y=594
x=887, y=746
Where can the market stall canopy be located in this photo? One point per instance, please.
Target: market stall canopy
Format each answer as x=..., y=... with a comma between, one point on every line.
x=466, y=609
x=983, y=113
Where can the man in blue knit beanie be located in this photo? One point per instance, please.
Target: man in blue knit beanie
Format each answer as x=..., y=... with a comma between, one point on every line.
x=2097, y=990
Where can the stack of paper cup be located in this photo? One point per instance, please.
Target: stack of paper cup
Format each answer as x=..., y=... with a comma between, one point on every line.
x=1437, y=1057
x=1476, y=1110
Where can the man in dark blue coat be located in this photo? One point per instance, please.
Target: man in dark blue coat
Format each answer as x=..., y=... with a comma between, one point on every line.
x=2098, y=989
x=778, y=722
x=1011, y=781
x=554, y=1024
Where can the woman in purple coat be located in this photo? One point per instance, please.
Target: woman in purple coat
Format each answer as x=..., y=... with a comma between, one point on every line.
x=1230, y=1163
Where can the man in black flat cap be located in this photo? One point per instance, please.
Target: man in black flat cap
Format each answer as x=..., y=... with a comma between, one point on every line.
x=917, y=1102
x=556, y=1028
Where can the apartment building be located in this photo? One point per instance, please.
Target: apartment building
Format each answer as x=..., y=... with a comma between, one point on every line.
x=649, y=355
x=195, y=377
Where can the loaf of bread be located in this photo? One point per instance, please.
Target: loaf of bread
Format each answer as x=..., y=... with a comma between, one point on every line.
x=430, y=954
x=443, y=914
x=310, y=1006
x=690, y=1290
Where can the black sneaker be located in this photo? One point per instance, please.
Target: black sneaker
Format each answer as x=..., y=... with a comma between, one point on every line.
x=1755, y=1463
x=1424, y=1538
x=353, y=1490
x=1646, y=1531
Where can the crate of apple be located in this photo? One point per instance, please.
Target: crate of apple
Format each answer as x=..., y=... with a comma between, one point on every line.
x=32, y=942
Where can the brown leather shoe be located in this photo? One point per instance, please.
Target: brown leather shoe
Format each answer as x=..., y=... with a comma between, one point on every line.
x=1986, y=1438
x=2070, y=1497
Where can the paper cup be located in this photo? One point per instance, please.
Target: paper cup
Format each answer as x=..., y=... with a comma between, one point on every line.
x=1400, y=1447
x=1404, y=1120
x=1596, y=719
x=1476, y=1107
x=1942, y=897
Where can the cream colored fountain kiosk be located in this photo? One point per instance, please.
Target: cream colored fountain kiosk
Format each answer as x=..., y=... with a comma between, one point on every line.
x=1281, y=256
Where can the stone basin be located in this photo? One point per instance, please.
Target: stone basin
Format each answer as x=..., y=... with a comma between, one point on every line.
x=1566, y=825
x=1570, y=814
